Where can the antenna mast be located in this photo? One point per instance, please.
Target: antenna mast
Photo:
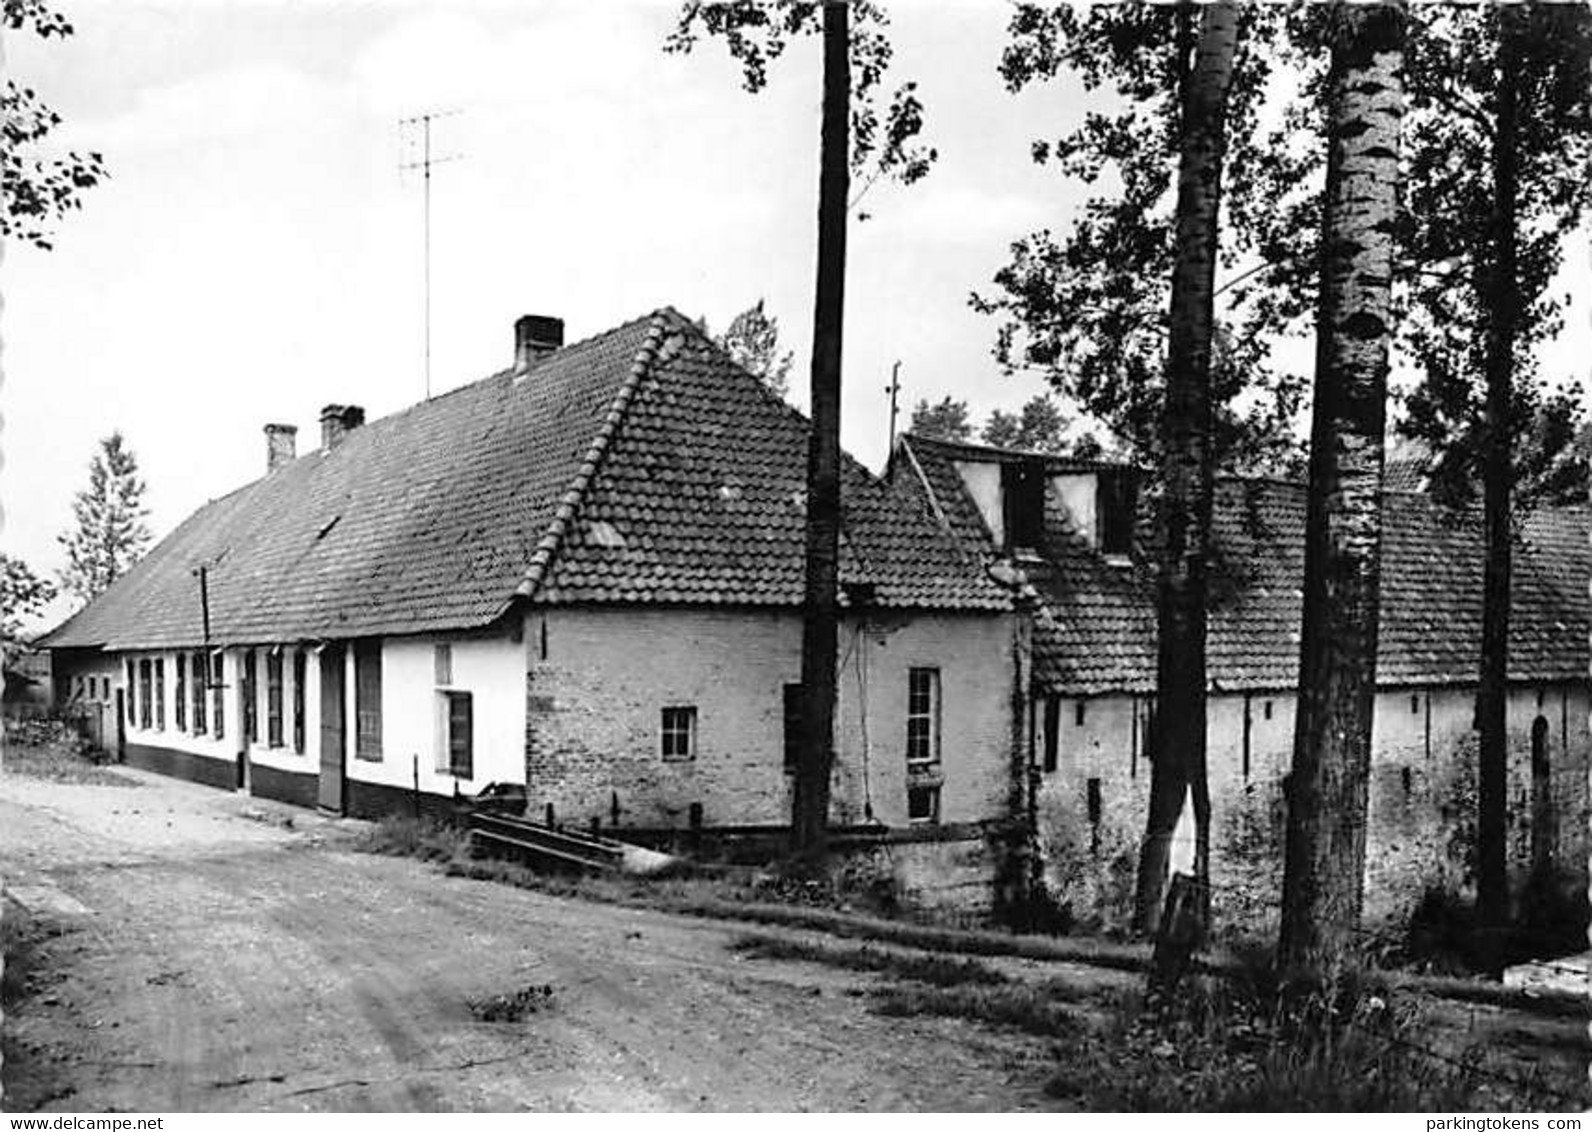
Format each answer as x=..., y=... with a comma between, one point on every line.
x=893, y=389
x=422, y=122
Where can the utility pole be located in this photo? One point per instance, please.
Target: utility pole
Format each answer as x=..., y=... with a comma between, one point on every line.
x=894, y=388
x=422, y=122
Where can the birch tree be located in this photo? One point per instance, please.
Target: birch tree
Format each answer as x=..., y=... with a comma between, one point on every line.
x=1324, y=865
x=110, y=533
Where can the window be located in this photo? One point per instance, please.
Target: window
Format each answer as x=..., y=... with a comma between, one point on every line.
x=1265, y=709
x=179, y=702
x=273, y=698
x=923, y=715
x=160, y=694
x=442, y=660
x=679, y=733
x=923, y=803
x=1117, y=506
x=1023, y=503
x=299, y=678
x=249, y=692
x=793, y=724
x=146, y=718
x=367, y=700
x=132, y=694
x=1092, y=800
x=460, y=728
x=200, y=680
x=1415, y=705
x=218, y=671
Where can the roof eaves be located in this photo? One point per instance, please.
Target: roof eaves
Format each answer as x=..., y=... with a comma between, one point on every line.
x=569, y=505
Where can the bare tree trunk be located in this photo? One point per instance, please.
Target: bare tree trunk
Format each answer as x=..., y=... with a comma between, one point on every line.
x=1500, y=298
x=1187, y=462
x=1324, y=868
x=810, y=803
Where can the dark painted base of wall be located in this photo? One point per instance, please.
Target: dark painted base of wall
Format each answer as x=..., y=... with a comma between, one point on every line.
x=297, y=788
x=217, y=772
x=373, y=801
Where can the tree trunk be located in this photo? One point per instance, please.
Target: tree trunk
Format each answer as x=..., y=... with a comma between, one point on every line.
x=1178, y=740
x=1324, y=867
x=1500, y=298
x=810, y=801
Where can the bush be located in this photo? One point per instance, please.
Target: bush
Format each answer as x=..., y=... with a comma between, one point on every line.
x=424, y=838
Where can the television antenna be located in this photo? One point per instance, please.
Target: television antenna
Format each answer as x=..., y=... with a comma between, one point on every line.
x=415, y=131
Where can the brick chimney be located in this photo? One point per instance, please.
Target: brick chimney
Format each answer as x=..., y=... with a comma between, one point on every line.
x=281, y=444
x=337, y=421
x=535, y=336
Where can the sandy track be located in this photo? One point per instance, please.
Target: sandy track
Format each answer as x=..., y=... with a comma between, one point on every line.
x=233, y=964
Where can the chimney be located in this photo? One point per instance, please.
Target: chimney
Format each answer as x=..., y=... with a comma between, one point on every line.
x=535, y=336
x=281, y=443
x=337, y=421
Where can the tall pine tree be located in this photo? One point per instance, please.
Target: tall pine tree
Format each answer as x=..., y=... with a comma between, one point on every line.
x=109, y=534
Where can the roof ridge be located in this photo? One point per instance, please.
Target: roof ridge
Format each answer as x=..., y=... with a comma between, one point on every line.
x=553, y=537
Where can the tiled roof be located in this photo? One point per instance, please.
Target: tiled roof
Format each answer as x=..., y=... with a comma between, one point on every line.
x=637, y=466
x=1096, y=631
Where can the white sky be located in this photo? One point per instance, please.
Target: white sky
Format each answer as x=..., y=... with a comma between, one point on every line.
x=256, y=253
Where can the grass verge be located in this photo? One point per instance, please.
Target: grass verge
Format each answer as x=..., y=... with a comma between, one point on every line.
x=58, y=759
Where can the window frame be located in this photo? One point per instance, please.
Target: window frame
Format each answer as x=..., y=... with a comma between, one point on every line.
x=367, y=699
x=179, y=692
x=248, y=691
x=273, y=698
x=146, y=717
x=451, y=700
x=929, y=715
x=160, y=693
x=677, y=723
x=300, y=678
x=200, y=675
x=929, y=790
x=218, y=686
x=791, y=721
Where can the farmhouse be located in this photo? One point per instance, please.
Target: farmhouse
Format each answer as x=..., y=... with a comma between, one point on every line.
x=1070, y=528
x=582, y=574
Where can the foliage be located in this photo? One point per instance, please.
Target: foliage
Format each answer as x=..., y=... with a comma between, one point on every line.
x=23, y=596
x=946, y=419
x=752, y=341
x=1088, y=308
x=38, y=190
x=1039, y=426
x=756, y=32
x=1451, y=230
x=110, y=533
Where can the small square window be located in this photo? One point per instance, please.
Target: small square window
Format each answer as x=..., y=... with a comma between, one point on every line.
x=679, y=733
x=1078, y=712
x=923, y=803
x=1265, y=709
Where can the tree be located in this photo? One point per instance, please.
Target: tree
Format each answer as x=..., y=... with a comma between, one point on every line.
x=110, y=533
x=849, y=138
x=946, y=419
x=23, y=596
x=38, y=191
x=1502, y=139
x=1324, y=862
x=1188, y=461
x=1039, y=426
x=1087, y=308
x=752, y=341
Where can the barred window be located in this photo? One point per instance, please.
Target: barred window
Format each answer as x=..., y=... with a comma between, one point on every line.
x=367, y=700
x=298, y=699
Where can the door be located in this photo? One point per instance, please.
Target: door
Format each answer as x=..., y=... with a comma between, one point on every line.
x=334, y=728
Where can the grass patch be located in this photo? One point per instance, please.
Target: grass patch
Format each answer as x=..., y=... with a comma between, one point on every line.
x=1031, y=1009
x=513, y=1007
x=933, y=970
x=423, y=838
x=55, y=754
x=1243, y=1044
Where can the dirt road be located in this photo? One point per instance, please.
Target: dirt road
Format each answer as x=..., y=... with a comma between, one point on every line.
x=191, y=951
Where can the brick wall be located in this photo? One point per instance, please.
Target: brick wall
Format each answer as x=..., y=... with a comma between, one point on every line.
x=594, y=704
x=1421, y=813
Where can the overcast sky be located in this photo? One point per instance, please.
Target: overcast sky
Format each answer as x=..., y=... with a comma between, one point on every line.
x=256, y=253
